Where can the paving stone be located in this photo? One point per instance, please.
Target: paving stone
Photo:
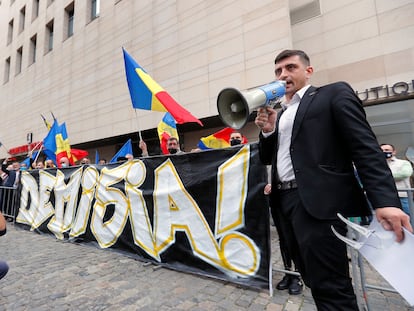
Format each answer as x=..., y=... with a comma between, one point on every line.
x=48, y=274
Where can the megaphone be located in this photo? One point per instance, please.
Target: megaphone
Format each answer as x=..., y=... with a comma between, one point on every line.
x=234, y=106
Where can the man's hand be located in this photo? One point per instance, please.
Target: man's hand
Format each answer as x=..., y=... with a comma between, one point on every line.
x=266, y=119
x=393, y=219
x=143, y=146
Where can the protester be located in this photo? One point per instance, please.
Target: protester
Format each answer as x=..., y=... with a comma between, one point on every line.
x=49, y=164
x=13, y=173
x=64, y=162
x=102, y=162
x=173, y=146
x=84, y=161
x=23, y=167
x=4, y=268
x=236, y=138
x=39, y=165
x=401, y=171
x=312, y=145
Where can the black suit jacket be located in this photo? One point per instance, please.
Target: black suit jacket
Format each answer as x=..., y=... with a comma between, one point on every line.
x=11, y=176
x=330, y=134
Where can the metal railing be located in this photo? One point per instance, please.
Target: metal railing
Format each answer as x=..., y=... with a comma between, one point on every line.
x=357, y=260
x=410, y=202
x=8, y=201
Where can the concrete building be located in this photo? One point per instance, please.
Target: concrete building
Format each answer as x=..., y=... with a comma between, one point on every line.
x=66, y=57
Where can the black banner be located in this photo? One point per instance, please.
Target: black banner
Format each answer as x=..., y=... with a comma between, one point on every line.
x=202, y=212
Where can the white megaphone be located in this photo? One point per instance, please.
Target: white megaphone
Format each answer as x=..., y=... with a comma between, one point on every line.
x=234, y=106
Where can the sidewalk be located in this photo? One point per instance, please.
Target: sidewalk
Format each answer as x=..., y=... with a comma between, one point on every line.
x=48, y=274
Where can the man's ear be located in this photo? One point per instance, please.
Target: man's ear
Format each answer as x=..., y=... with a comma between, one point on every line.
x=309, y=71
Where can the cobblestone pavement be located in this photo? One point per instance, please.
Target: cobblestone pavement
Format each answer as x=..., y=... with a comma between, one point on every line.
x=48, y=274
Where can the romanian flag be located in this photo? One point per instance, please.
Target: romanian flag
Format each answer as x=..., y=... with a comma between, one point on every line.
x=149, y=95
x=56, y=145
x=63, y=145
x=218, y=140
x=166, y=128
x=49, y=142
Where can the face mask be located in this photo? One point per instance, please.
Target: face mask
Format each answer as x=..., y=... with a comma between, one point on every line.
x=63, y=165
x=23, y=168
x=235, y=142
x=388, y=154
x=172, y=151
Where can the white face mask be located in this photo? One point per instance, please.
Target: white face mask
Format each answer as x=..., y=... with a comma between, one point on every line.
x=63, y=165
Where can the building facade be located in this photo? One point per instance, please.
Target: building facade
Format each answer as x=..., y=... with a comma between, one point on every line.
x=65, y=57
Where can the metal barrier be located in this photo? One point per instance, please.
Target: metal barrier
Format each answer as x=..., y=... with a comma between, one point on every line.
x=357, y=260
x=410, y=202
x=8, y=201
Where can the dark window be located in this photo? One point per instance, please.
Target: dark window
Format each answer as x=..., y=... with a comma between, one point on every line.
x=33, y=47
x=19, y=58
x=35, y=9
x=49, y=37
x=7, y=70
x=10, y=33
x=69, y=19
x=22, y=18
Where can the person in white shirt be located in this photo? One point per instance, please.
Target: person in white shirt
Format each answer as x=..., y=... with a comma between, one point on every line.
x=401, y=171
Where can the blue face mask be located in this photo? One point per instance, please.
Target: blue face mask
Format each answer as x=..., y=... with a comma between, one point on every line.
x=23, y=168
x=63, y=165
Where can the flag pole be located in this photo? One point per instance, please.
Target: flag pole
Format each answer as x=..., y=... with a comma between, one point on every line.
x=37, y=145
x=38, y=153
x=139, y=131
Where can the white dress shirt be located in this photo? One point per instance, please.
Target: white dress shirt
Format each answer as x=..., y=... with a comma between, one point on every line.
x=284, y=162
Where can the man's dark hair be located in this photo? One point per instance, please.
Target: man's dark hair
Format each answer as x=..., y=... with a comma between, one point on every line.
x=172, y=138
x=288, y=53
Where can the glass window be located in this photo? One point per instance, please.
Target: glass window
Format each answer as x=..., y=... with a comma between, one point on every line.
x=393, y=123
x=95, y=8
x=19, y=58
x=10, y=32
x=22, y=18
x=35, y=9
x=69, y=19
x=33, y=47
x=49, y=37
x=7, y=70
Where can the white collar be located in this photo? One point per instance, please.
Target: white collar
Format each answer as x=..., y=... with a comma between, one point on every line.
x=299, y=94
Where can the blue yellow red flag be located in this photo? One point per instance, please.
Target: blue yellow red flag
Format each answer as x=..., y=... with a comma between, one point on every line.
x=56, y=145
x=149, y=95
x=218, y=140
x=63, y=145
x=49, y=143
x=166, y=128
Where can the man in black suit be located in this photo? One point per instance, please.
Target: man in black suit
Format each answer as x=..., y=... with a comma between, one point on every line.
x=312, y=145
